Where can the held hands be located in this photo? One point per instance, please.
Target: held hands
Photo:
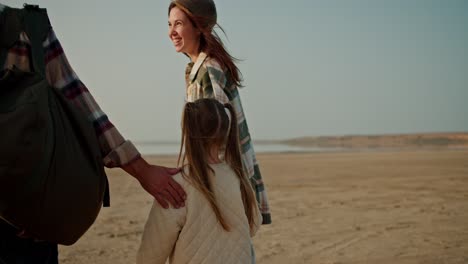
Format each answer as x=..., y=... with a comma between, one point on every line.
x=158, y=181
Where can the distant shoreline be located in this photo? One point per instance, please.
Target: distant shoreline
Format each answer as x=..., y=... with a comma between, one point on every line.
x=416, y=140
x=346, y=143
x=342, y=151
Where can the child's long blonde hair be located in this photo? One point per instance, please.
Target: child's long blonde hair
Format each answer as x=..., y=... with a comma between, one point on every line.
x=206, y=124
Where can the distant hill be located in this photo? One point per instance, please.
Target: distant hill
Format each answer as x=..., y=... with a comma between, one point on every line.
x=434, y=140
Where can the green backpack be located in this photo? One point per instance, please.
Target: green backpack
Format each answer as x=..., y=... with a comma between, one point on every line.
x=52, y=179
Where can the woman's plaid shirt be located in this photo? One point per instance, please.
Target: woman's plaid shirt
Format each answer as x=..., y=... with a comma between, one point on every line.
x=206, y=79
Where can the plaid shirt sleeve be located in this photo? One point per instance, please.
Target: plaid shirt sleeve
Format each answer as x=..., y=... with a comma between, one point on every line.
x=115, y=149
x=211, y=89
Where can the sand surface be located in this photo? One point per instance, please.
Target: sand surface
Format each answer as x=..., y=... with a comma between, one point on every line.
x=355, y=207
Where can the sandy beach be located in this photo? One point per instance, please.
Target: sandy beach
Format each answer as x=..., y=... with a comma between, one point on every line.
x=403, y=207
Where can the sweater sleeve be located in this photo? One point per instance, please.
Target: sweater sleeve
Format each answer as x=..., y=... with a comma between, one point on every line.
x=161, y=232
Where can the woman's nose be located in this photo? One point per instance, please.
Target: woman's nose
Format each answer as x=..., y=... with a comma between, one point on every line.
x=172, y=32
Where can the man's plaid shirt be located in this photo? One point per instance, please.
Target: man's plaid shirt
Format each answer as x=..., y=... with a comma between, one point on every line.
x=115, y=149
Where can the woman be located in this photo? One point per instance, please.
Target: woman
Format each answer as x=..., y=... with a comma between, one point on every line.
x=221, y=213
x=213, y=74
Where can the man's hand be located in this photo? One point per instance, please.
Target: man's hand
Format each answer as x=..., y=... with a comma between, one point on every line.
x=158, y=181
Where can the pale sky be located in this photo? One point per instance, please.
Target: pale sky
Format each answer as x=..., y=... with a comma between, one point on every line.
x=310, y=68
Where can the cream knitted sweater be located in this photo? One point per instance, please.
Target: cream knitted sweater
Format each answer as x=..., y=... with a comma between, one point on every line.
x=192, y=234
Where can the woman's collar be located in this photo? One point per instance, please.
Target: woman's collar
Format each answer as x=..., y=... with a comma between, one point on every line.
x=201, y=58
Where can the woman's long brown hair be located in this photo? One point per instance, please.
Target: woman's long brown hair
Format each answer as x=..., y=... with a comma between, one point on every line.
x=213, y=46
x=205, y=124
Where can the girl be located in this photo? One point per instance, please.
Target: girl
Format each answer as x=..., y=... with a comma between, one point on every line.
x=213, y=74
x=221, y=213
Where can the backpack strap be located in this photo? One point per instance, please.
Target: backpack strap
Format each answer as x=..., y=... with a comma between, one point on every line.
x=10, y=28
x=106, y=199
x=32, y=20
x=36, y=25
x=3, y=56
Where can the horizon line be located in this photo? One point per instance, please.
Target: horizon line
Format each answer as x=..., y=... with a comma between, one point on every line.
x=171, y=141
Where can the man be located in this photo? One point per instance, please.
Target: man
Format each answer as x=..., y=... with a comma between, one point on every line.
x=118, y=152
